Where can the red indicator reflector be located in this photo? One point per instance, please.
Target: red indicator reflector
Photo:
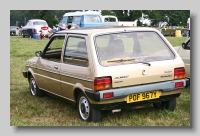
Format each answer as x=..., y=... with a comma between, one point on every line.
x=178, y=84
x=108, y=95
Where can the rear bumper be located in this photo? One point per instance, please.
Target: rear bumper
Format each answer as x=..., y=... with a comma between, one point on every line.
x=118, y=100
x=125, y=105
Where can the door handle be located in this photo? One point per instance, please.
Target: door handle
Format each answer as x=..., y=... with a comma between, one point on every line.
x=55, y=67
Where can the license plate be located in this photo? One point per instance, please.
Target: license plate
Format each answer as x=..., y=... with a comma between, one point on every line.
x=143, y=96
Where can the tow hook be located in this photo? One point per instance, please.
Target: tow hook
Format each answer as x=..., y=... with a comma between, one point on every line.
x=116, y=110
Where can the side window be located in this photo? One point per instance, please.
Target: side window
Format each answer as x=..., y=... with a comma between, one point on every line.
x=76, y=19
x=54, y=50
x=76, y=52
x=92, y=18
x=112, y=19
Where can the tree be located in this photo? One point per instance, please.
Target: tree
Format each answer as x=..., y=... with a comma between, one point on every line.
x=172, y=17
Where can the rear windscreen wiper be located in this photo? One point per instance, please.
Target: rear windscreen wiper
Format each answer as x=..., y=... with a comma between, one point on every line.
x=121, y=60
x=124, y=60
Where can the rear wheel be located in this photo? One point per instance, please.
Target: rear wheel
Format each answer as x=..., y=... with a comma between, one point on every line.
x=86, y=111
x=168, y=105
x=34, y=90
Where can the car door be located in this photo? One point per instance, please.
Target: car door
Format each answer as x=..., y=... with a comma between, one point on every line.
x=75, y=71
x=48, y=66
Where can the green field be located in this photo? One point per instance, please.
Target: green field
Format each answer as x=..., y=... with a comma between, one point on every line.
x=26, y=110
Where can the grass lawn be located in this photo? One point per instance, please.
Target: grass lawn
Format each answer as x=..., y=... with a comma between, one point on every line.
x=26, y=110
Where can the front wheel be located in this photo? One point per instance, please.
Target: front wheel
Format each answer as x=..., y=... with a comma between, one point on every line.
x=86, y=111
x=34, y=90
x=168, y=105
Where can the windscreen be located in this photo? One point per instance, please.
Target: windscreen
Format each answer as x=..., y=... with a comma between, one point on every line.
x=131, y=47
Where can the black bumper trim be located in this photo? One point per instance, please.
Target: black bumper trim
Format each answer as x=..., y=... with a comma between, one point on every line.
x=187, y=82
x=25, y=73
x=125, y=105
x=95, y=96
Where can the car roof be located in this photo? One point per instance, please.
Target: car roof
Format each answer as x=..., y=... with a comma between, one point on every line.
x=79, y=13
x=105, y=29
x=37, y=20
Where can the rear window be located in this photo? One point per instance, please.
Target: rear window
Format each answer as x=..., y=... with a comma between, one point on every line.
x=39, y=23
x=131, y=47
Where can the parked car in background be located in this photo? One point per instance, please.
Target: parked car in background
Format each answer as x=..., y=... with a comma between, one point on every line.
x=184, y=52
x=109, y=20
x=33, y=26
x=13, y=30
x=108, y=69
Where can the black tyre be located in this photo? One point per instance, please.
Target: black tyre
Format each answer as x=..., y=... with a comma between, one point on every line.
x=86, y=111
x=34, y=90
x=168, y=105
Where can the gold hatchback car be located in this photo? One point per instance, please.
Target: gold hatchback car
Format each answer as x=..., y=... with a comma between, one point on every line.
x=109, y=68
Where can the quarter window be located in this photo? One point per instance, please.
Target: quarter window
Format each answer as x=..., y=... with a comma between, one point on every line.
x=76, y=52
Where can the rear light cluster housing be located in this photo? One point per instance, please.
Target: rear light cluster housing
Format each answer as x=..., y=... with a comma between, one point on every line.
x=103, y=83
x=179, y=73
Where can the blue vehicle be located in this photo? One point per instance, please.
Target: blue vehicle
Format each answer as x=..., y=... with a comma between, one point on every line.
x=82, y=19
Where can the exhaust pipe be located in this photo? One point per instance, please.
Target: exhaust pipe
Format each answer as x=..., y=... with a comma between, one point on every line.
x=116, y=110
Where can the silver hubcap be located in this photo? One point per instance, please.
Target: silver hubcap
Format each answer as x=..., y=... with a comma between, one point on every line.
x=33, y=86
x=84, y=108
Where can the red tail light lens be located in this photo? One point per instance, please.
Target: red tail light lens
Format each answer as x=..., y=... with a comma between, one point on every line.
x=108, y=95
x=178, y=84
x=179, y=73
x=102, y=83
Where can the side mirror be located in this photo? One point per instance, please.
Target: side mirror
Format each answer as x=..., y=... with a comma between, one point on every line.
x=38, y=53
x=184, y=45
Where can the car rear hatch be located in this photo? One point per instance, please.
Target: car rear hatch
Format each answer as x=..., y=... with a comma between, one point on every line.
x=136, y=58
x=138, y=74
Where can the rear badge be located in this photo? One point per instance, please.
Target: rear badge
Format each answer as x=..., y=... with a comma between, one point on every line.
x=120, y=77
x=168, y=71
x=144, y=72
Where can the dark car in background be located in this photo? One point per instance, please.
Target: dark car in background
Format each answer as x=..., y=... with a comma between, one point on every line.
x=13, y=30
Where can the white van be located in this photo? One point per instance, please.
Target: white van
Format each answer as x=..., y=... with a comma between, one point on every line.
x=82, y=19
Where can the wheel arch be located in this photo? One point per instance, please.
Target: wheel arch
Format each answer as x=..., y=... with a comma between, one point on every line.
x=30, y=73
x=77, y=89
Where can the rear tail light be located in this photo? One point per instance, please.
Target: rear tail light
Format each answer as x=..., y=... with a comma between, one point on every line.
x=102, y=83
x=179, y=73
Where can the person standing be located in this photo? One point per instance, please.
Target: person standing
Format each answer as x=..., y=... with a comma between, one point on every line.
x=188, y=26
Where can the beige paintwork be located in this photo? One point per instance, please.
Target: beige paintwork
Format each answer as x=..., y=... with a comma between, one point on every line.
x=67, y=78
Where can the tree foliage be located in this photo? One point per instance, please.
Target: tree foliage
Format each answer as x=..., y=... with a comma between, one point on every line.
x=172, y=17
